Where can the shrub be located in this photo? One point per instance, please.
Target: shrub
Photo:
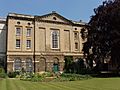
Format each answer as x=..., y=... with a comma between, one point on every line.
x=85, y=71
x=68, y=68
x=71, y=77
x=58, y=77
x=37, y=77
x=32, y=77
x=48, y=74
x=2, y=73
x=26, y=76
x=12, y=74
x=2, y=70
x=74, y=77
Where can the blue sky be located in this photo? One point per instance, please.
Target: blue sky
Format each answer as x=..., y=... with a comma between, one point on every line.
x=71, y=9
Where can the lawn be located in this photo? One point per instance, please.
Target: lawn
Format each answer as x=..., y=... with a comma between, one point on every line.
x=91, y=84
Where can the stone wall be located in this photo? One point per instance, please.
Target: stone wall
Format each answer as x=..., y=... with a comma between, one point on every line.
x=42, y=63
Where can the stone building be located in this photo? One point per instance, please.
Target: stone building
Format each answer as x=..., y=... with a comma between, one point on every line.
x=2, y=42
x=40, y=43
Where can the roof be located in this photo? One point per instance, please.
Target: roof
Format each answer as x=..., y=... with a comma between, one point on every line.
x=56, y=14
x=20, y=15
x=40, y=18
x=2, y=20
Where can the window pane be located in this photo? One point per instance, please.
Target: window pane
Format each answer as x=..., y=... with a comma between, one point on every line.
x=55, y=39
x=17, y=43
x=29, y=65
x=28, y=31
x=28, y=43
x=76, y=45
x=76, y=35
x=17, y=65
x=18, y=30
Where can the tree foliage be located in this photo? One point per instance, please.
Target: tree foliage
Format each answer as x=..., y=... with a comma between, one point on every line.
x=74, y=66
x=103, y=39
x=68, y=64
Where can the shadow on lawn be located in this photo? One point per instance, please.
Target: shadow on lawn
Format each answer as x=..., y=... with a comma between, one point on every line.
x=106, y=74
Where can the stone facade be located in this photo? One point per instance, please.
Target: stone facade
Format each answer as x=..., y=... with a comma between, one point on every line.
x=2, y=42
x=40, y=43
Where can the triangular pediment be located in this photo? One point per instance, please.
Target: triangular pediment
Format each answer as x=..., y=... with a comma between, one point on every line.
x=55, y=17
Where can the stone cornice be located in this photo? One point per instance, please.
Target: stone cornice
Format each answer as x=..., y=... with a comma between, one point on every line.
x=39, y=19
x=47, y=52
x=53, y=13
x=80, y=25
x=54, y=22
x=57, y=22
x=20, y=18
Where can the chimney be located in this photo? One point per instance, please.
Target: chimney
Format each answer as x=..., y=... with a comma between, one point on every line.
x=53, y=11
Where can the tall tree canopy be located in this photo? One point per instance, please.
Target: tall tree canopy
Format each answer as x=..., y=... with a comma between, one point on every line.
x=103, y=39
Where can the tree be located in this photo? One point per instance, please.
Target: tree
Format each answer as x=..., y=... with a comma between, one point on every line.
x=78, y=66
x=103, y=39
x=68, y=64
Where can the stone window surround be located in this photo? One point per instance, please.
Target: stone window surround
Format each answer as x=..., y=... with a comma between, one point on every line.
x=28, y=44
x=76, y=35
x=55, y=32
x=76, y=46
x=18, y=62
x=29, y=31
x=18, y=43
x=18, y=31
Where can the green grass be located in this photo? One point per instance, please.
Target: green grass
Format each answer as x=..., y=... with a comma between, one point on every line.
x=91, y=84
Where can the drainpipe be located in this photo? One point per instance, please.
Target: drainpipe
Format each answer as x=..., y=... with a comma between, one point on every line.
x=6, y=24
x=34, y=48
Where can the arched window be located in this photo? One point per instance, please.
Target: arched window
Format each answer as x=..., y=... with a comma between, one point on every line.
x=29, y=65
x=55, y=39
x=17, y=64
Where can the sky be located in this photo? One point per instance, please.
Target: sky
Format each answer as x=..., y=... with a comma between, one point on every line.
x=71, y=9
